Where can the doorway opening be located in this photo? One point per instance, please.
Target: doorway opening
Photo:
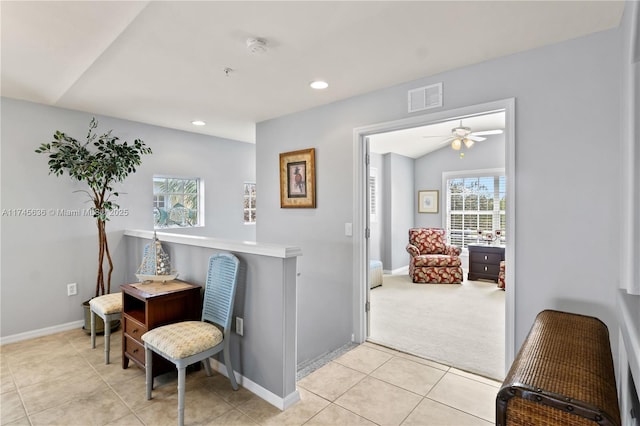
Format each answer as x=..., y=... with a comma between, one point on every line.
x=396, y=244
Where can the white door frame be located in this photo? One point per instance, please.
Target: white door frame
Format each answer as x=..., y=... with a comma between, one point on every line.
x=360, y=267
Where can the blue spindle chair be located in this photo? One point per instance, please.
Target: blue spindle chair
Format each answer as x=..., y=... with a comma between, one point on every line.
x=185, y=343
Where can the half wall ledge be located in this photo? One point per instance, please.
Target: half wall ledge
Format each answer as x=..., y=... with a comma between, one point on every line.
x=265, y=355
x=249, y=247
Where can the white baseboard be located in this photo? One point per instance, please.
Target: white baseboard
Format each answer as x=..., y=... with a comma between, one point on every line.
x=41, y=332
x=399, y=271
x=253, y=387
x=464, y=258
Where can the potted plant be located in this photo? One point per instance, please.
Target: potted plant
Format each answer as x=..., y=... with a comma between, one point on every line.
x=100, y=162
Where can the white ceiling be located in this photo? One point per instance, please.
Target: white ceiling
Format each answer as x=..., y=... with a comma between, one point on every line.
x=162, y=62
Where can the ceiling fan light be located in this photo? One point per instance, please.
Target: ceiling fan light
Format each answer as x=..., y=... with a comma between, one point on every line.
x=461, y=132
x=468, y=142
x=456, y=144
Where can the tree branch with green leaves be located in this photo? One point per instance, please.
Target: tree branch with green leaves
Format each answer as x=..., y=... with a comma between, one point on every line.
x=100, y=162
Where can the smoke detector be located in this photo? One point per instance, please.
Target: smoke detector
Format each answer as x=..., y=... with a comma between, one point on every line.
x=256, y=45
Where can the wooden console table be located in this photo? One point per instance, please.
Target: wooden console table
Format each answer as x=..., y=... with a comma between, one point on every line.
x=484, y=261
x=150, y=305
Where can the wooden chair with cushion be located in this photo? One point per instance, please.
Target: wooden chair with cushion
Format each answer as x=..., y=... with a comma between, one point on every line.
x=109, y=308
x=185, y=343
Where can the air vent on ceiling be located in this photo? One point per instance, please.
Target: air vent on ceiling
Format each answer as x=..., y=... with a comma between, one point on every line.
x=426, y=97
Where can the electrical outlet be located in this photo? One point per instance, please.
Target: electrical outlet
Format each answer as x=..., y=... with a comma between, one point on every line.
x=72, y=289
x=239, y=326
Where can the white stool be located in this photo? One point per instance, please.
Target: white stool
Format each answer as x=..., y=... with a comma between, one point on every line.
x=109, y=308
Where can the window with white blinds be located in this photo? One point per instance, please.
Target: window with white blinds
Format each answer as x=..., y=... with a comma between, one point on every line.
x=373, y=194
x=475, y=203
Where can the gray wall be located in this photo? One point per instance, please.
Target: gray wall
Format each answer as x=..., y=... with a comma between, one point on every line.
x=567, y=158
x=395, y=207
x=400, y=183
x=40, y=255
x=324, y=283
x=630, y=221
x=630, y=124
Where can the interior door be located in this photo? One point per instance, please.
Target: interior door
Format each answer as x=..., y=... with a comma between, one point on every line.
x=367, y=234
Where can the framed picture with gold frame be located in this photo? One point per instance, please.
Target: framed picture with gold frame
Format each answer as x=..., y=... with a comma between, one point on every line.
x=298, y=179
x=428, y=201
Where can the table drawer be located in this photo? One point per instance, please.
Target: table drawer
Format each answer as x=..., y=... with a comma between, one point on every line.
x=493, y=258
x=485, y=269
x=134, y=329
x=135, y=349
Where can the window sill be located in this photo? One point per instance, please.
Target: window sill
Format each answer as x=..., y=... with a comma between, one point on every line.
x=172, y=227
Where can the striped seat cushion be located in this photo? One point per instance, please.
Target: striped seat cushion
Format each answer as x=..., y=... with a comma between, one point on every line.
x=183, y=339
x=107, y=304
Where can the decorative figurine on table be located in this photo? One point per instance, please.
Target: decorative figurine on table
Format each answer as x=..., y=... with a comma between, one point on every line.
x=489, y=237
x=156, y=265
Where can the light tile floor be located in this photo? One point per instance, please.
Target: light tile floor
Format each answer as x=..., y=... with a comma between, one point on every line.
x=60, y=380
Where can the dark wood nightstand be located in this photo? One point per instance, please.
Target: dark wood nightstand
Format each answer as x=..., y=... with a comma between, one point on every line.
x=484, y=261
x=149, y=305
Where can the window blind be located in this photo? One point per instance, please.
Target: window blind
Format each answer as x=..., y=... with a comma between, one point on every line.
x=475, y=203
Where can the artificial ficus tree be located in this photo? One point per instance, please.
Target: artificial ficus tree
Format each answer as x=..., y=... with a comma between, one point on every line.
x=101, y=161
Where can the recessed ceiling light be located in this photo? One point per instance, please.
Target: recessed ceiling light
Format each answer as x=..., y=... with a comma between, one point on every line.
x=198, y=123
x=256, y=45
x=319, y=84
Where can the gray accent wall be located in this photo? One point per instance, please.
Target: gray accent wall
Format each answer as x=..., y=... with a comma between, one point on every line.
x=395, y=209
x=40, y=255
x=629, y=297
x=567, y=158
x=400, y=185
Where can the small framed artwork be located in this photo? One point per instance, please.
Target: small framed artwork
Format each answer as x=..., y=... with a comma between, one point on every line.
x=428, y=201
x=298, y=179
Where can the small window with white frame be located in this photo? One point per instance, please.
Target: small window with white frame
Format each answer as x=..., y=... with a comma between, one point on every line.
x=249, y=206
x=177, y=202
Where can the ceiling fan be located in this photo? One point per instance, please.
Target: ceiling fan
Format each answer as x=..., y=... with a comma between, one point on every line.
x=463, y=135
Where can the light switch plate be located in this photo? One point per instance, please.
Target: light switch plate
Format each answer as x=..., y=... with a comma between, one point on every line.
x=239, y=326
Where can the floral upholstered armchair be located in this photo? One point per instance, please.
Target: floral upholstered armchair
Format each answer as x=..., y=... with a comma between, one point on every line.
x=432, y=259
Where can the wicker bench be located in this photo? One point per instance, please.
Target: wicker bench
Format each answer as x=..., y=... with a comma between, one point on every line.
x=562, y=375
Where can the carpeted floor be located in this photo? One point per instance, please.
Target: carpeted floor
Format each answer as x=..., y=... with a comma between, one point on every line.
x=461, y=325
